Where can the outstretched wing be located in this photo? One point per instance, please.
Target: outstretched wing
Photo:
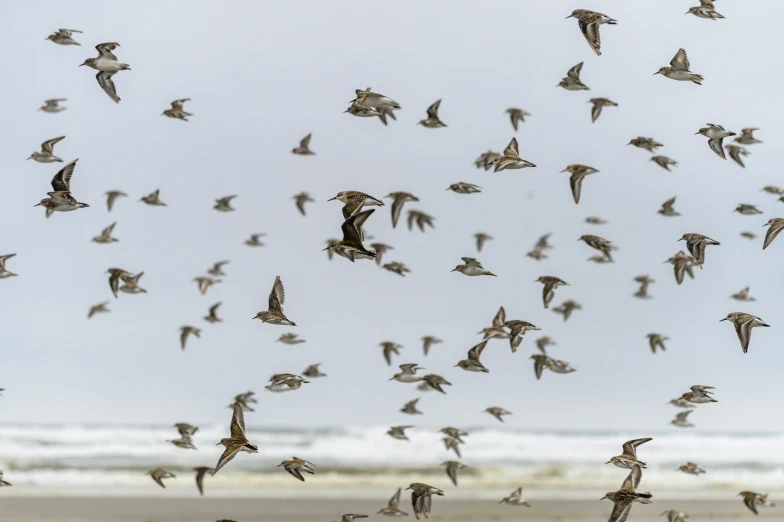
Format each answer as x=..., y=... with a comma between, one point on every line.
x=106, y=83
x=238, y=421
x=277, y=296
x=680, y=61
x=62, y=180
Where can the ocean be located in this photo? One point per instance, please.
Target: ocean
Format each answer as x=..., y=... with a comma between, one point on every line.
x=72, y=459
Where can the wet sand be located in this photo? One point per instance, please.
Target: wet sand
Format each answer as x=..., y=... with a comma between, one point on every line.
x=43, y=509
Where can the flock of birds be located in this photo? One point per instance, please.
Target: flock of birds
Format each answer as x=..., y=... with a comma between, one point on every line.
x=370, y=104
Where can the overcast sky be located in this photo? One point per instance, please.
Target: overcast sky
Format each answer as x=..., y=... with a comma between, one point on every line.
x=262, y=75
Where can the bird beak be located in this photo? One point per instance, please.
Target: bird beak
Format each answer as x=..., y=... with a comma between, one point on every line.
x=253, y=318
x=37, y=205
x=766, y=224
x=723, y=319
x=608, y=462
x=330, y=199
x=681, y=239
x=696, y=133
x=29, y=158
x=568, y=17
x=657, y=72
x=564, y=170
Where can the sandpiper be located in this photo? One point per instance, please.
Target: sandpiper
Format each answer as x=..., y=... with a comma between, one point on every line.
x=472, y=363
x=715, y=134
x=750, y=499
x=349, y=517
x=667, y=208
x=353, y=201
x=461, y=187
x=398, y=200
x=60, y=199
x=558, y=366
x=748, y=235
x=212, y=315
x=673, y=515
x=452, y=467
x=682, y=264
x=550, y=284
x=517, y=329
x=472, y=267
x=53, y=105
x=776, y=225
x=432, y=121
x=255, y=240
x=746, y=209
x=313, y=371
x=186, y=331
x=628, y=459
x=735, y=152
x=699, y=394
x=642, y=142
x=680, y=420
x=200, y=472
x=131, y=284
x=204, y=283
x=304, y=147
x=300, y=200
x=362, y=111
x=645, y=281
x=602, y=245
x=291, y=380
x=158, y=474
x=572, y=82
x=481, y=238
x=589, y=22
x=595, y=220
x=392, y=510
x=511, y=159
x=655, y=341
x=515, y=498
x=743, y=324
x=428, y=341
x=217, y=268
x=452, y=444
x=543, y=342
x=154, y=199
x=106, y=235
x=398, y=432
x=696, y=244
x=100, y=308
x=578, y=173
x=290, y=338
x=351, y=244
x=107, y=66
x=436, y=382
x=114, y=279
x=486, y=160
x=707, y=10
x=690, y=468
x=64, y=37
x=747, y=137
x=410, y=408
x=185, y=429
x=497, y=329
x=111, y=196
x=177, y=112
x=566, y=308
x=274, y=313
x=680, y=403
x=421, y=498
x=396, y=267
x=626, y=496
x=367, y=98
x=536, y=254
x=47, y=151
x=387, y=349
x=224, y=204
x=598, y=105
x=407, y=372
x=421, y=219
x=184, y=442
x=664, y=162
x=498, y=412
x=296, y=466
x=600, y=260
x=679, y=69
x=516, y=116
x=237, y=441
x=385, y=112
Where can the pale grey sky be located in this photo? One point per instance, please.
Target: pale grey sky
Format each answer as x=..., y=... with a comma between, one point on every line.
x=261, y=75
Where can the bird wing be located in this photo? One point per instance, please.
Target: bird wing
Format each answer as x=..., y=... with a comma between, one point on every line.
x=106, y=83
x=773, y=231
x=432, y=111
x=305, y=141
x=591, y=33
x=62, y=180
x=669, y=203
x=715, y=145
x=500, y=317
x=750, y=503
x=105, y=49
x=184, y=336
x=744, y=333
x=395, y=500
x=238, y=421
x=294, y=472
x=596, y=111
x=227, y=456
x=620, y=512
x=215, y=307
x=108, y=230
x=397, y=206
x=476, y=351
x=48, y=145
x=512, y=148
x=735, y=153
x=277, y=296
x=352, y=227
x=539, y=363
x=629, y=447
x=351, y=206
x=680, y=61
x=574, y=72
x=576, y=182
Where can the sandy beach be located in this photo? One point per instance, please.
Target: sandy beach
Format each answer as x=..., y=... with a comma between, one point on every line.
x=44, y=509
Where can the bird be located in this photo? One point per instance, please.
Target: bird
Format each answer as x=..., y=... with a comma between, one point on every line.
x=649, y=144
x=746, y=209
x=185, y=429
x=60, y=199
x=487, y=160
x=313, y=371
x=436, y=382
x=776, y=225
x=566, y=308
x=735, y=152
x=201, y=471
x=472, y=363
x=398, y=200
x=384, y=112
x=681, y=421
x=398, y=432
x=707, y=10
x=451, y=468
x=742, y=295
x=158, y=474
x=472, y=267
x=351, y=244
x=516, y=116
x=578, y=173
x=699, y=395
x=205, y=282
x=667, y=208
x=374, y=100
x=176, y=111
x=212, y=315
x=743, y=323
x=304, y=147
x=682, y=264
x=274, y=313
x=628, y=458
x=517, y=329
x=217, y=269
x=185, y=331
x=111, y=197
x=690, y=468
x=589, y=22
x=598, y=105
x=106, y=235
x=462, y=187
x=98, y=309
x=255, y=240
x=47, y=151
x=515, y=498
x=388, y=348
x=237, y=441
x=572, y=82
x=626, y=496
x=752, y=500
x=696, y=244
x=410, y=408
x=422, y=220
x=548, y=291
x=290, y=338
x=432, y=121
x=452, y=444
x=498, y=412
x=392, y=510
x=397, y=268
x=64, y=37
x=296, y=466
x=154, y=199
x=349, y=517
x=664, y=162
x=645, y=281
x=428, y=341
x=353, y=201
x=185, y=442
x=107, y=65
x=715, y=134
x=224, y=204
x=657, y=341
x=294, y=382
x=511, y=159
x=421, y=498
x=747, y=137
x=602, y=245
x=300, y=200
x=679, y=69
x=673, y=515
x=53, y=106
x=407, y=373
x=481, y=238
x=543, y=342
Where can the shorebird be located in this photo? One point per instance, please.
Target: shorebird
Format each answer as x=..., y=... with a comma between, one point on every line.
x=566, y=308
x=645, y=282
x=154, y=199
x=367, y=98
x=481, y=239
x=589, y=22
x=436, y=382
x=472, y=267
x=743, y=324
x=649, y=144
x=385, y=112
x=217, y=269
x=205, y=283
x=107, y=66
x=536, y=254
x=176, y=111
x=451, y=468
x=572, y=82
x=626, y=496
x=432, y=121
x=60, y=199
x=657, y=341
x=53, y=105
x=667, y=208
x=274, y=313
x=680, y=420
x=410, y=408
x=294, y=382
x=362, y=111
x=699, y=395
x=398, y=200
x=696, y=244
x=313, y=371
x=664, y=162
x=158, y=474
x=452, y=444
x=296, y=466
x=748, y=235
x=472, y=363
x=353, y=201
x=185, y=331
x=421, y=498
x=351, y=245
x=578, y=173
x=715, y=134
x=557, y=366
x=497, y=329
x=511, y=159
x=735, y=152
x=244, y=400
x=516, y=116
x=396, y=267
x=682, y=264
x=200, y=472
x=290, y=338
x=680, y=403
x=707, y=10
x=304, y=147
x=64, y=37
x=498, y=412
x=746, y=209
x=422, y=220
x=100, y=308
x=111, y=196
x=628, y=459
x=486, y=160
x=598, y=105
x=114, y=279
x=747, y=137
x=106, y=235
x=185, y=429
x=461, y=187
x=595, y=220
x=407, y=372
x=548, y=291
x=600, y=260
x=517, y=329
x=690, y=468
x=388, y=348
x=300, y=200
x=185, y=442
x=673, y=515
x=597, y=243
x=750, y=499
x=543, y=342
x=224, y=204
x=255, y=240
x=776, y=225
x=237, y=441
x=131, y=284
x=515, y=498
x=398, y=432
x=428, y=341
x=349, y=517
x=47, y=151
x=679, y=69
x=392, y=510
